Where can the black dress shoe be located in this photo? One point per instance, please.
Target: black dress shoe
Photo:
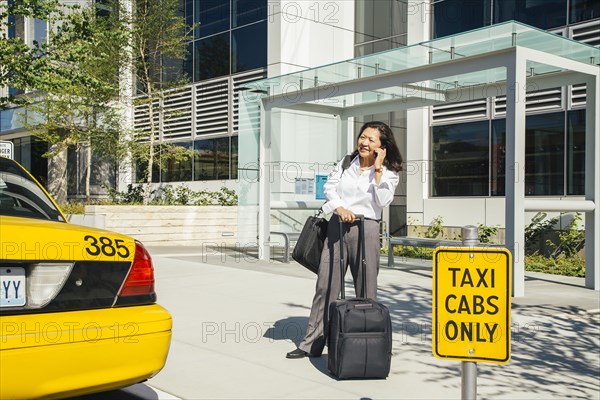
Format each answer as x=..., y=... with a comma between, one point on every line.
x=298, y=353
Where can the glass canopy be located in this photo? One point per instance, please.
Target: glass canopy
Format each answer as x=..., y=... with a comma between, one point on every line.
x=293, y=128
x=477, y=42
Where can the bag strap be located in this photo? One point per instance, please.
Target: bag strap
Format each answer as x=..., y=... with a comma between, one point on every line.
x=346, y=162
x=363, y=255
x=342, y=264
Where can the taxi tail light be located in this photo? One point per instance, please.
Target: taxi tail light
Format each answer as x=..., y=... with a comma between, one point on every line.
x=140, y=280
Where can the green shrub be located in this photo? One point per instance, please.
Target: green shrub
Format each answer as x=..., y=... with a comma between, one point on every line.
x=537, y=229
x=436, y=228
x=72, y=208
x=569, y=266
x=170, y=195
x=572, y=240
x=486, y=233
x=133, y=195
x=563, y=260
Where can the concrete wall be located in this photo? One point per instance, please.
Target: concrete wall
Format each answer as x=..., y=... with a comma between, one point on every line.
x=167, y=225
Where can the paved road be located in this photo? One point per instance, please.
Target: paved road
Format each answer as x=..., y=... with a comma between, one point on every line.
x=235, y=318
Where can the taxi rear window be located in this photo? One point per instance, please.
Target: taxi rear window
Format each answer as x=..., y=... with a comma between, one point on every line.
x=21, y=196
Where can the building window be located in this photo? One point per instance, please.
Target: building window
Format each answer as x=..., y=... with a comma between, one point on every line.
x=211, y=57
x=544, y=154
x=231, y=37
x=554, y=156
x=211, y=159
x=583, y=10
x=178, y=170
x=454, y=16
x=498, y=158
x=461, y=159
x=544, y=14
x=245, y=12
x=576, y=152
x=249, y=47
x=380, y=25
x=29, y=151
x=212, y=16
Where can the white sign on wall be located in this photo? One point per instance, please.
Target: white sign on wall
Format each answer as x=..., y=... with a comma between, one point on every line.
x=6, y=149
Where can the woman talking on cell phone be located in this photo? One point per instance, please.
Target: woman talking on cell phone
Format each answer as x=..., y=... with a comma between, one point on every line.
x=361, y=184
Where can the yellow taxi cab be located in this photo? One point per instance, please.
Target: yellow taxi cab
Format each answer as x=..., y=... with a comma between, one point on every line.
x=78, y=310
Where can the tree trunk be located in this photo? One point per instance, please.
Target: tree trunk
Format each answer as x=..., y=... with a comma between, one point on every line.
x=88, y=170
x=57, y=175
x=148, y=186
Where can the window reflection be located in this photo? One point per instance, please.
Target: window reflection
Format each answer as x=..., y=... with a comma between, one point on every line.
x=178, y=170
x=583, y=10
x=576, y=152
x=249, y=47
x=212, y=16
x=211, y=57
x=29, y=151
x=544, y=155
x=211, y=159
x=461, y=159
x=248, y=11
x=380, y=25
x=498, y=158
x=234, y=157
x=457, y=150
x=544, y=14
x=454, y=16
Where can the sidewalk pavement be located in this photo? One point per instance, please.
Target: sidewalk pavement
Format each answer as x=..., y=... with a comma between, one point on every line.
x=235, y=318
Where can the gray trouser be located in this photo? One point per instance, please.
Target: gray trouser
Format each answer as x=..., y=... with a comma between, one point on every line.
x=329, y=279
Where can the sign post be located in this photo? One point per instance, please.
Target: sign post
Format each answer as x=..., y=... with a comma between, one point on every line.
x=6, y=149
x=468, y=369
x=471, y=306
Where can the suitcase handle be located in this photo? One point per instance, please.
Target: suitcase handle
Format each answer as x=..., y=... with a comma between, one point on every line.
x=361, y=239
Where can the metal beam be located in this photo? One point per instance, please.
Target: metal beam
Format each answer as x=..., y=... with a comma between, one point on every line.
x=316, y=108
x=559, y=61
x=432, y=97
x=398, y=78
x=559, y=205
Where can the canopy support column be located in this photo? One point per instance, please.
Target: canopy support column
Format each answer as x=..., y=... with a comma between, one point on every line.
x=592, y=188
x=515, y=168
x=346, y=144
x=264, y=194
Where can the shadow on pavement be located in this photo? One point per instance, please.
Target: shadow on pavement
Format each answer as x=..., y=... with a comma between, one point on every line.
x=291, y=328
x=554, y=347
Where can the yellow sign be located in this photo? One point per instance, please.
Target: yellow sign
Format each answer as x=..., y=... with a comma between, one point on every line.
x=471, y=304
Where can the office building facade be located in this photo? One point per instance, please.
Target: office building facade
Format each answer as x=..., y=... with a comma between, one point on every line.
x=462, y=153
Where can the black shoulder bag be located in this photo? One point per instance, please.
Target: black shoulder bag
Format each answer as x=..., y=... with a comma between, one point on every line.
x=309, y=246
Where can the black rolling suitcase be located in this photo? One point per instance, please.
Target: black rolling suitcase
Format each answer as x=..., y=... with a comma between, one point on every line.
x=360, y=330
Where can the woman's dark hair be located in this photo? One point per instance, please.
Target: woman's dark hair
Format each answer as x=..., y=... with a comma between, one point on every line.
x=393, y=158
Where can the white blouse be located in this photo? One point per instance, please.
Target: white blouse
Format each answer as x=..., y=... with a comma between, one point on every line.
x=357, y=191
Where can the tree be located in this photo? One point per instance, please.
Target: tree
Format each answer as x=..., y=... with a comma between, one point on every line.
x=78, y=108
x=159, y=37
x=20, y=62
